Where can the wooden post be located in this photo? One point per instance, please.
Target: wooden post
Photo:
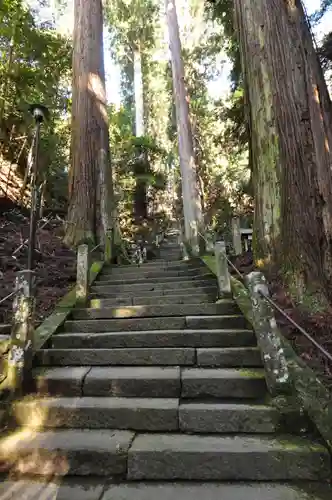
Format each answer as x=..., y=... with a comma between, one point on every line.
x=276, y=370
x=22, y=331
x=236, y=233
x=224, y=283
x=82, y=274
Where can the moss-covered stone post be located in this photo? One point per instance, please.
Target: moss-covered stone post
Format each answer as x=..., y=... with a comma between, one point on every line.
x=209, y=247
x=108, y=244
x=82, y=274
x=268, y=338
x=224, y=283
x=22, y=331
x=236, y=236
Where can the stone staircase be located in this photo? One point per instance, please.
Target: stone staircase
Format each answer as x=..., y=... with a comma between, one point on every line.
x=154, y=390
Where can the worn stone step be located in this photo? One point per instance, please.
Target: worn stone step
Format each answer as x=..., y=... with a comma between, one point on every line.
x=155, y=338
x=160, y=279
x=78, y=488
x=146, y=274
x=216, y=322
x=227, y=418
x=136, y=288
x=216, y=491
x=197, y=457
x=195, y=298
x=140, y=382
x=152, y=356
x=73, y=452
x=100, y=292
x=229, y=356
x=222, y=383
x=227, y=307
x=147, y=414
x=62, y=381
x=156, y=323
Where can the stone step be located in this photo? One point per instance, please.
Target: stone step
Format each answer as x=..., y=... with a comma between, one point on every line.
x=227, y=458
x=155, y=338
x=229, y=356
x=157, y=323
x=143, y=273
x=227, y=307
x=165, y=356
x=100, y=292
x=151, y=356
x=92, y=489
x=102, y=413
x=135, y=382
x=69, y=452
x=215, y=491
x=228, y=418
x=136, y=288
x=193, y=298
x=160, y=279
x=222, y=383
x=61, y=488
x=150, y=381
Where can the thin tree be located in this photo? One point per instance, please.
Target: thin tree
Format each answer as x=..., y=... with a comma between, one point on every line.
x=90, y=186
x=290, y=120
x=190, y=195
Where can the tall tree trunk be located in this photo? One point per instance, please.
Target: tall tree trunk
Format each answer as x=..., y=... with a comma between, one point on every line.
x=190, y=194
x=290, y=140
x=90, y=186
x=138, y=86
x=140, y=197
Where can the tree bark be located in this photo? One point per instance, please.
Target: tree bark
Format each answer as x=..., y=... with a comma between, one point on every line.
x=90, y=183
x=290, y=141
x=140, y=195
x=190, y=194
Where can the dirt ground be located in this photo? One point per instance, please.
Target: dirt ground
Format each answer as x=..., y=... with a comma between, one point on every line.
x=55, y=263
x=318, y=325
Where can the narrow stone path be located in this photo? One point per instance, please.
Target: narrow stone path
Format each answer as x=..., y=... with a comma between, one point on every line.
x=156, y=391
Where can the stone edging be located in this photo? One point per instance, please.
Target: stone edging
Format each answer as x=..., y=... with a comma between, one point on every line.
x=314, y=398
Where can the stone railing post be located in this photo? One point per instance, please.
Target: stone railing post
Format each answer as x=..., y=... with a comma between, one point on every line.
x=82, y=274
x=236, y=235
x=264, y=322
x=22, y=331
x=209, y=247
x=224, y=283
x=108, y=243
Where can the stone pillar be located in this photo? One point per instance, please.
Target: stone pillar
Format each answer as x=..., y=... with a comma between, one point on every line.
x=108, y=243
x=224, y=283
x=236, y=234
x=22, y=331
x=268, y=337
x=82, y=274
x=209, y=242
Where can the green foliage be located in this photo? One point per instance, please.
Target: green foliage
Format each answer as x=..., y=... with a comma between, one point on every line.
x=35, y=66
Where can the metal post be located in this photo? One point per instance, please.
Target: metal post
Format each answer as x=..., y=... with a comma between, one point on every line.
x=39, y=113
x=34, y=201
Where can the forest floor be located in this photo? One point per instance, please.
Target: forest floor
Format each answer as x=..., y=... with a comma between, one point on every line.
x=55, y=263
x=318, y=325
